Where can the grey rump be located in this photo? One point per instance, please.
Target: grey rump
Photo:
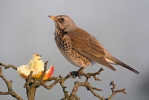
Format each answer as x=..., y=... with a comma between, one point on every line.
x=80, y=48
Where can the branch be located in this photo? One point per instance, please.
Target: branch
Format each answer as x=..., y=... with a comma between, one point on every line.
x=32, y=84
x=88, y=86
x=44, y=72
x=88, y=75
x=43, y=83
x=9, y=87
x=8, y=66
x=115, y=91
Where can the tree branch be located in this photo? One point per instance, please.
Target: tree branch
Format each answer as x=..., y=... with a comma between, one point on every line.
x=32, y=84
x=115, y=91
x=88, y=86
x=8, y=66
x=9, y=87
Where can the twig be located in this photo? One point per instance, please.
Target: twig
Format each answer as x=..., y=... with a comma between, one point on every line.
x=61, y=81
x=9, y=86
x=32, y=84
x=44, y=72
x=88, y=75
x=30, y=89
x=115, y=91
x=28, y=80
x=88, y=86
x=8, y=66
x=43, y=83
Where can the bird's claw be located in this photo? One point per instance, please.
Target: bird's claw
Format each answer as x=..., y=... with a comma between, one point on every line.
x=75, y=74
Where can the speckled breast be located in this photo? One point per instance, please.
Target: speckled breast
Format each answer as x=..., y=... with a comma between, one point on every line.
x=64, y=44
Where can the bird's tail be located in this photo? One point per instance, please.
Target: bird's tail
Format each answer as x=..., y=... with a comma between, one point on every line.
x=124, y=65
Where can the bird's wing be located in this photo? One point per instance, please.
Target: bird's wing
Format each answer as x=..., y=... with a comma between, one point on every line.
x=88, y=46
x=82, y=41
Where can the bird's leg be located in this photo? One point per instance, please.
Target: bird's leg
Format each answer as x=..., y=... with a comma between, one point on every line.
x=80, y=70
x=74, y=74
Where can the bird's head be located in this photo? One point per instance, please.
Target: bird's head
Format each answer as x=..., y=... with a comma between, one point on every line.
x=63, y=22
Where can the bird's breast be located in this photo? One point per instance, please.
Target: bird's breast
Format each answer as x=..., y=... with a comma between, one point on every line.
x=65, y=47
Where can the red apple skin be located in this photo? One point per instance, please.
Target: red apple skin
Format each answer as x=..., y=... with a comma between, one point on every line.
x=49, y=73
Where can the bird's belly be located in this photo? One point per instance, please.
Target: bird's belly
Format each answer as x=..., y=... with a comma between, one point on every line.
x=71, y=55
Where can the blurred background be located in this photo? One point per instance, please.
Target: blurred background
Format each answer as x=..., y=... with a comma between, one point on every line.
x=122, y=26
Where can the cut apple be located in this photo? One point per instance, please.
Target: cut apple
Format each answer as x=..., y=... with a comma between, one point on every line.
x=37, y=66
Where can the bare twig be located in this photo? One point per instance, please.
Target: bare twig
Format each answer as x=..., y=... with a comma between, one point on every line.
x=115, y=91
x=61, y=81
x=88, y=86
x=9, y=86
x=44, y=72
x=32, y=84
x=30, y=89
x=88, y=75
x=28, y=80
x=43, y=83
x=8, y=66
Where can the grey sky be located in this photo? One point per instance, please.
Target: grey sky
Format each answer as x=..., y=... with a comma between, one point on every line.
x=122, y=26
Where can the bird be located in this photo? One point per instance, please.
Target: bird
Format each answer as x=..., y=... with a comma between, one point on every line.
x=80, y=48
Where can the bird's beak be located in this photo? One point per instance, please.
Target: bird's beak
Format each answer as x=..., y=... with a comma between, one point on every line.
x=52, y=17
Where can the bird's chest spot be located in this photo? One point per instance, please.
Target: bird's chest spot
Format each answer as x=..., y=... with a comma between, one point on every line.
x=63, y=43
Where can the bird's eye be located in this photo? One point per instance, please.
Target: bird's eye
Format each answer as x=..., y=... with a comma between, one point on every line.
x=61, y=20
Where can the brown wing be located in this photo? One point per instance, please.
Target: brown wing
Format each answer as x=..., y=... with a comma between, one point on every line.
x=88, y=46
x=82, y=41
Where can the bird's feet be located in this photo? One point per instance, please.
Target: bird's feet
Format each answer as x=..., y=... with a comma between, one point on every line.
x=77, y=73
x=74, y=74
